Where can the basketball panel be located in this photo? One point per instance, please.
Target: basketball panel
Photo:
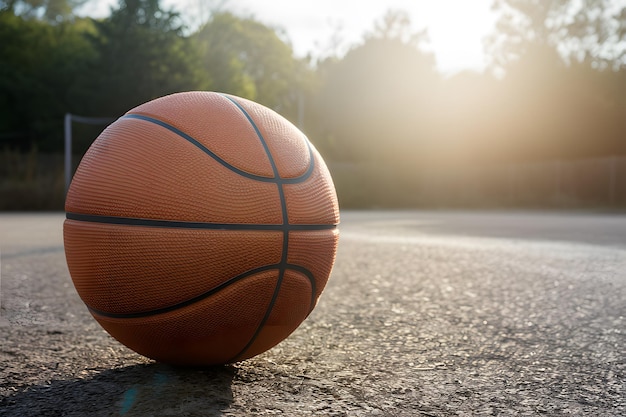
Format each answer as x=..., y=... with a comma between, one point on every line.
x=292, y=306
x=129, y=269
x=315, y=251
x=141, y=170
x=313, y=201
x=287, y=144
x=209, y=332
x=212, y=120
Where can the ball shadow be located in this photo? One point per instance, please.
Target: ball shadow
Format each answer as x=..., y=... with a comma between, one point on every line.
x=139, y=390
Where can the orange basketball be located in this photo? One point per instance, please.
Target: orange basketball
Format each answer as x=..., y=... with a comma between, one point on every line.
x=201, y=228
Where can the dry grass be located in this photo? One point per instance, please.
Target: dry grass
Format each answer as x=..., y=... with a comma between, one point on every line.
x=31, y=181
x=35, y=181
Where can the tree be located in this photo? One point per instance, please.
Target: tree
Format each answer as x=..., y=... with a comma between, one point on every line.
x=142, y=54
x=395, y=25
x=377, y=100
x=49, y=10
x=246, y=58
x=596, y=33
x=40, y=65
x=562, y=93
x=582, y=30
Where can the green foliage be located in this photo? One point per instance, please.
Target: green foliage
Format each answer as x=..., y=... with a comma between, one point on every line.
x=246, y=58
x=41, y=63
x=141, y=55
x=224, y=45
x=49, y=10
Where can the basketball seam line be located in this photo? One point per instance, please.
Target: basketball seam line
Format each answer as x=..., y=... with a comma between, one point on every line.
x=178, y=224
x=311, y=279
x=285, y=216
x=162, y=310
x=276, y=179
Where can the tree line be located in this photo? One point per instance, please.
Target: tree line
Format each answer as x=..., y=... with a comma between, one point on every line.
x=555, y=86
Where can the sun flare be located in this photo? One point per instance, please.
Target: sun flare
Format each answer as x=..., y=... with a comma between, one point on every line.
x=456, y=29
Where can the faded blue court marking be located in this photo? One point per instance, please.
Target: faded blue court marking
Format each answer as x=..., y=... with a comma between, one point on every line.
x=159, y=382
x=130, y=397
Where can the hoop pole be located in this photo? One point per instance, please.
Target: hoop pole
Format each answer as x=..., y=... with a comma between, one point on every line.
x=68, y=150
x=68, y=139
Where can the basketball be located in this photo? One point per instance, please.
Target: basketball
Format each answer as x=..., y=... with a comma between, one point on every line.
x=201, y=228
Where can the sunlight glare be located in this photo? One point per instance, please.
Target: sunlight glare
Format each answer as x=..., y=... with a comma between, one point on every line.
x=456, y=28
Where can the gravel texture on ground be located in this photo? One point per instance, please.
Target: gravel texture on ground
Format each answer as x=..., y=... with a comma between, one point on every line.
x=425, y=314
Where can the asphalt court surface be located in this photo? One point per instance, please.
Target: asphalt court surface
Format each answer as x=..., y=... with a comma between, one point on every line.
x=426, y=313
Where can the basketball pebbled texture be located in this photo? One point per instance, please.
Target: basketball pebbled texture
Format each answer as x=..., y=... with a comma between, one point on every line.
x=201, y=228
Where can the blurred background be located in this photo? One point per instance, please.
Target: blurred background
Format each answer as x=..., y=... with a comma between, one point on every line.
x=485, y=104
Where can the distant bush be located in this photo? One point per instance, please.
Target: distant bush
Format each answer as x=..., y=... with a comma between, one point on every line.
x=35, y=181
x=31, y=181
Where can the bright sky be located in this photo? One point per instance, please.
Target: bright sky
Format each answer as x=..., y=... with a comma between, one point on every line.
x=456, y=28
